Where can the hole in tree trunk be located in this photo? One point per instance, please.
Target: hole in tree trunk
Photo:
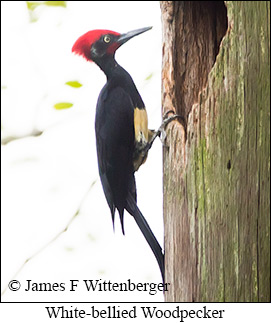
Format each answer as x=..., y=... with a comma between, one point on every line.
x=200, y=27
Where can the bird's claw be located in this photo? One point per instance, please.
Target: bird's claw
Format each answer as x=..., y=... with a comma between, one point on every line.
x=166, y=120
x=163, y=136
x=161, y=132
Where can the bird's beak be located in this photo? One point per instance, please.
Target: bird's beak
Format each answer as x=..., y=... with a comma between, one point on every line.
x=125, y=37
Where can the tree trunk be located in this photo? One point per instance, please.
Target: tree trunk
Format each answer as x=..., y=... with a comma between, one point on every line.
x=216, y=75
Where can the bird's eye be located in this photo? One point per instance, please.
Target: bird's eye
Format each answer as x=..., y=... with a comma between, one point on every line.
x=107, y=39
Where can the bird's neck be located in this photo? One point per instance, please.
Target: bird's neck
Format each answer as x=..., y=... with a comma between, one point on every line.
x=109, y=66
x=118, y=76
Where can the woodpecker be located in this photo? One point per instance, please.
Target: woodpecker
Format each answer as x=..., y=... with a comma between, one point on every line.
x=121, y=126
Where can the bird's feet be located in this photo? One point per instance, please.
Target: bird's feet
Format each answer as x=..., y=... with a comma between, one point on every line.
x=161, y=132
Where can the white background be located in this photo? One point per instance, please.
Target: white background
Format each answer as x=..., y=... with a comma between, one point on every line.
x=45, y=179
x=234, y=313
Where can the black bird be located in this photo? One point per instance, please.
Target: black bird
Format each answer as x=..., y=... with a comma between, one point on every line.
x=121, y=125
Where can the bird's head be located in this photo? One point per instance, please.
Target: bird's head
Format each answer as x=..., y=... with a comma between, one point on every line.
x=98, y=44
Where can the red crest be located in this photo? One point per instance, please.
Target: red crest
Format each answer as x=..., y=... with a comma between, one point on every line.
x=83, y=44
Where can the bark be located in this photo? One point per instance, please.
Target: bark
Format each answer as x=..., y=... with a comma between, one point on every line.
x=216, y=75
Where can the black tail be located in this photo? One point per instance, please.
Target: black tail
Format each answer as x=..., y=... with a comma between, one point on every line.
x=133, y=209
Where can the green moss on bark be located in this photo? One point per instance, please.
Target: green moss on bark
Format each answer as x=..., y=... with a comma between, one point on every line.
x=216, y=196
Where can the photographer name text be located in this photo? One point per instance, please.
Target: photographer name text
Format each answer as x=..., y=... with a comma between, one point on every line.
x=96, y=285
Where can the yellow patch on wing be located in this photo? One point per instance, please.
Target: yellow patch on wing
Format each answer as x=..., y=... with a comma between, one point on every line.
x=142, y=136
x=141, y=125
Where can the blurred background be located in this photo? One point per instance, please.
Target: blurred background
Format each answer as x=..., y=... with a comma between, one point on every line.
x=50, y=177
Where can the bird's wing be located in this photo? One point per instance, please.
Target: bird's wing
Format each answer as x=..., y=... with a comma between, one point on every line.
x=114, y=127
